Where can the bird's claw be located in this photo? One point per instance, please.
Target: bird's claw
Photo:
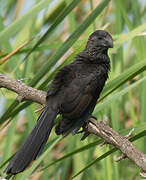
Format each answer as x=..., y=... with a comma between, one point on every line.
x=86, y=134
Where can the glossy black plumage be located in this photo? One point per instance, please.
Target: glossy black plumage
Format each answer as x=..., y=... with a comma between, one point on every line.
x=73, y=93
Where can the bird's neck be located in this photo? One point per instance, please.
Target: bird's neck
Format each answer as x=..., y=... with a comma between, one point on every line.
x=97, y=55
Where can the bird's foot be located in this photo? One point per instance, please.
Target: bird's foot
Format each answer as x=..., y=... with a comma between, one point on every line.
x=84, y=130
x=86, y=134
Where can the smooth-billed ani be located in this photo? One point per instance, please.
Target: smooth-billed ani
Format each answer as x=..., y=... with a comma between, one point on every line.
x=73, y=94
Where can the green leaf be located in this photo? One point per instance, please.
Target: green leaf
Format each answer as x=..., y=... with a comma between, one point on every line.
x=108, y=153
x=59, y=19
x=7, y=33
x=123, y=77
x=126, y=37
x=88, y=146
x=116, y=96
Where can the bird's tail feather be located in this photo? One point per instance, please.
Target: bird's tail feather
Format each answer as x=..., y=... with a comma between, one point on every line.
x=34, y=143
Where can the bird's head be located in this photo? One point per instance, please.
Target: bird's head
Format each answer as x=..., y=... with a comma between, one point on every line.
x=101, y=39
x=97, y=46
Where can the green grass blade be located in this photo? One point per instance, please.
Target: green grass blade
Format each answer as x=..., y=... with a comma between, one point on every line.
x=135, y=32
x=60, y=18
x=86, y=147
x=7, y=33
x=123, y=77
x=95, y=161
x=116, y=96
x=140, y=135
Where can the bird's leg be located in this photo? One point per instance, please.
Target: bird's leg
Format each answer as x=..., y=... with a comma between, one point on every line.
x=86, y=133
x=83, y=128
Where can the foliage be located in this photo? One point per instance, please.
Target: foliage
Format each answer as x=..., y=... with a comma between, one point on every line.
x=52, y=33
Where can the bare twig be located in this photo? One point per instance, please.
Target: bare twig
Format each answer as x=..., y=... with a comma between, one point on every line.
x=100, y=129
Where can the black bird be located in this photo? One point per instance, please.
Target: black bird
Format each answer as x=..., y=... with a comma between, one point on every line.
x=73, y=94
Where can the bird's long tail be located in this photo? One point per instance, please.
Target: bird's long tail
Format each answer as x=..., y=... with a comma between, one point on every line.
x=34, y=143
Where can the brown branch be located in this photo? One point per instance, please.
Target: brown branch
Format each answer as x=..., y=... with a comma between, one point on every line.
x=24, y=92
x=121, y=142
x=100, y=129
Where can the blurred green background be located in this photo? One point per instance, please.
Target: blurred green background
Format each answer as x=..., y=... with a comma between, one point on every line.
x=54, y=32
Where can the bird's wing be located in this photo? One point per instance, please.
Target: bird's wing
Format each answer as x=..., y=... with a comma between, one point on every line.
x=78, y=106
x=82, y=92
x=60, y=79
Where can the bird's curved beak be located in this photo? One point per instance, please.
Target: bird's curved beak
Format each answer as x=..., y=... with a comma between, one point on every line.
x=109, y=42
